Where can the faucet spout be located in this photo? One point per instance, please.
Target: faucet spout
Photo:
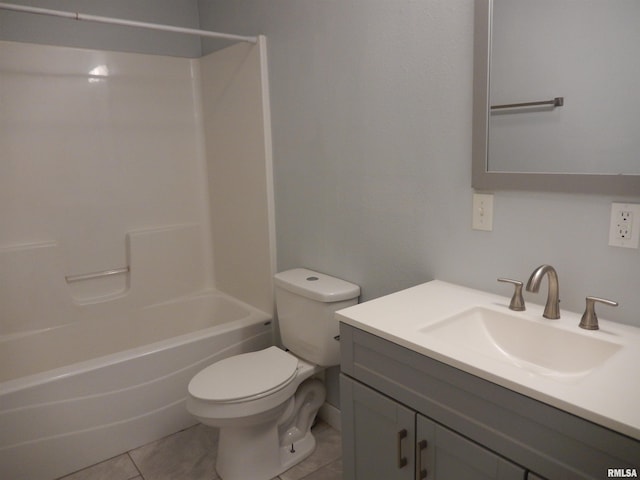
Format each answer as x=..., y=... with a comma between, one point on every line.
x=552, y=308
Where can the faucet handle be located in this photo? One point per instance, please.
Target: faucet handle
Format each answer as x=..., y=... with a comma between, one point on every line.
x=517, y=301
x=589, y=319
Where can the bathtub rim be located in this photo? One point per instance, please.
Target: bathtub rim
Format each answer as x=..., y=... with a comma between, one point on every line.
x=254, y=316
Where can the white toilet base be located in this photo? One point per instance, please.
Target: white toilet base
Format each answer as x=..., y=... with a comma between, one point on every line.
x=301, y=450
x=255, y=453
x=263, y=451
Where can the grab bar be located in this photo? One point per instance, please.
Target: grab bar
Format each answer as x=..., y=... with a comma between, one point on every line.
x=89, y=276
x=556, y=102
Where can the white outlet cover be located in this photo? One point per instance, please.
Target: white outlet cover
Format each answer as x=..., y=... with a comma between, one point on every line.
x=618, y=221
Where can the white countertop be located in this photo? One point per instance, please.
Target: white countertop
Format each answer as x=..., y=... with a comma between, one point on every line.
x=609, y=395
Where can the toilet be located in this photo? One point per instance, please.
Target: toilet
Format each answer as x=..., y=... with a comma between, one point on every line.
x=265, y=402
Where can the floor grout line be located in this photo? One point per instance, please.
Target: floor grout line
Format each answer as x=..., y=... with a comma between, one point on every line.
x=135, y=465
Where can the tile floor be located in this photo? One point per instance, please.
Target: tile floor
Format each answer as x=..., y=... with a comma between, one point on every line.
x=190, y=455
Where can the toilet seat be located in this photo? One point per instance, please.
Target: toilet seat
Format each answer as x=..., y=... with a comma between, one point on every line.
x=245, y=377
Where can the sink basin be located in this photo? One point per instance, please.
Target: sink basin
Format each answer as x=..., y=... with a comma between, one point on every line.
x=540, y=348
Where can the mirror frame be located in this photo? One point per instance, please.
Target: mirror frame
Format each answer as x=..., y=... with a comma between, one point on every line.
x=481, y=178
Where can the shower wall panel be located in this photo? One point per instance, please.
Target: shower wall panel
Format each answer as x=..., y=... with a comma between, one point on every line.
x=95, y=145
x=238, y=140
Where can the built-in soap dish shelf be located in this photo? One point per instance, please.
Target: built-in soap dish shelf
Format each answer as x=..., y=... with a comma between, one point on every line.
x=99, y=286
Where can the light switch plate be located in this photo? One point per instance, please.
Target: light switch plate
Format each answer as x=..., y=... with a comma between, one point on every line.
x=482, y=212
x=624, y=229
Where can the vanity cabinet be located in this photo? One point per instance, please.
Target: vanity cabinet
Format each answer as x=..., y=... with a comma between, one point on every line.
x=393, y=398
x=391, y=441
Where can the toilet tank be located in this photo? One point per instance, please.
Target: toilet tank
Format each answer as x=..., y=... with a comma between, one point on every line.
x=306, y=302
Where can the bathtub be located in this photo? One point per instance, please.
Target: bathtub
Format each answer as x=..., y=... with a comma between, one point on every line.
x=78, y=394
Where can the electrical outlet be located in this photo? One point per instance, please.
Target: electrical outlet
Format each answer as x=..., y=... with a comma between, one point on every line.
x=624, y=225
x=624, y=229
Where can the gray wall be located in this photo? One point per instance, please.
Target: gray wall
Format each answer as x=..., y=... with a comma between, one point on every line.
x=371, y=111
x=22, y=27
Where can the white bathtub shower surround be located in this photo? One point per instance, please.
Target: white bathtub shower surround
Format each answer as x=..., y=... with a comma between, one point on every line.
x=98, y=144
x=57, y=421
x=108, y=164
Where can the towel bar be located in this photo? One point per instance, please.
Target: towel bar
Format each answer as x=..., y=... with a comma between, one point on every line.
x=556, y=102
x=89, y=276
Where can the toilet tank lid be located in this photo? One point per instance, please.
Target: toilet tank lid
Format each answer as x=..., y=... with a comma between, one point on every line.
x=316, y=286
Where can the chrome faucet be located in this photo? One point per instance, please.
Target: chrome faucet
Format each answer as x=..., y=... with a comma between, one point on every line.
x=552, y=308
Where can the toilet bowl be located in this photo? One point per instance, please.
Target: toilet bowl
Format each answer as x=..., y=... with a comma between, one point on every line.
x=264, y=402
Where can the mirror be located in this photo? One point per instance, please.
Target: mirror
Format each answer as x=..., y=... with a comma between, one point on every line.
x=566, y=107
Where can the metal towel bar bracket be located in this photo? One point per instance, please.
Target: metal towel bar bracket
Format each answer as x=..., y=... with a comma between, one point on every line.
x=556, y=102
x=89, y=276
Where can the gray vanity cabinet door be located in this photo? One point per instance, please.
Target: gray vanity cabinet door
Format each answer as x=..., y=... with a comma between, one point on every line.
x=447, y=455
x=378, y=435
